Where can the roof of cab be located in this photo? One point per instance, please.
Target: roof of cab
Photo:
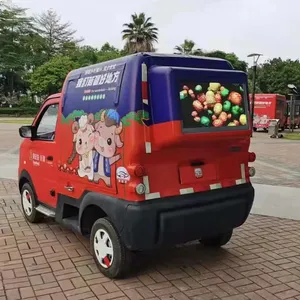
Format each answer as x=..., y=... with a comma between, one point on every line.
x=224, y=64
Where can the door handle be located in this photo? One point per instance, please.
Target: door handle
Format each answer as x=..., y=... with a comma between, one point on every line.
x=50, y=158
x=69, y=188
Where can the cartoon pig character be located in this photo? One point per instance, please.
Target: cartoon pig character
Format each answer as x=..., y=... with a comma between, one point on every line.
x=83, y=144
x=107, y=140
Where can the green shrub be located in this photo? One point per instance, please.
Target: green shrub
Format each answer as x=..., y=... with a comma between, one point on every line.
x=18, y=111
x=28, y=103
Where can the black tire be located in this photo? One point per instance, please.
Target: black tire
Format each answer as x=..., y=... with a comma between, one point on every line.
x=30, y=213
x=121, y=257
x=254, y=129
x=217, y=241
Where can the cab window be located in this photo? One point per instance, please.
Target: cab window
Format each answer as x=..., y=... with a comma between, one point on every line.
x=47, y=123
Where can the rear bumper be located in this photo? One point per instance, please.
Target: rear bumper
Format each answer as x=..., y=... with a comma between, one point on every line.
x=185, y=218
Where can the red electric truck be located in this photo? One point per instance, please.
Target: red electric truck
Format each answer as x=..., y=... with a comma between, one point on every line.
x=267, y=107
x=140, y=152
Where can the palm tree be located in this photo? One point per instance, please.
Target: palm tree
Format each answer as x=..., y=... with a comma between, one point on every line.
x=188, y=47
x=140, y=34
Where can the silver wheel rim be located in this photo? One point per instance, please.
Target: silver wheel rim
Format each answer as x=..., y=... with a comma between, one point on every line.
x=103, y=248
x=27, y=203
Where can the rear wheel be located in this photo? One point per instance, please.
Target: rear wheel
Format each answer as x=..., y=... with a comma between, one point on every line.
x=28, y=201
x=254, y=129
x=110, y=254
x=217, y=241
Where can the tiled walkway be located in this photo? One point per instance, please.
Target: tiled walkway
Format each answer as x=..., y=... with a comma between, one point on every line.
x=45, y=261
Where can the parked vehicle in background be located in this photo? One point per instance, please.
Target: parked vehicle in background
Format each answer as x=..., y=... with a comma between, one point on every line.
x=267, y=107
x=296, y=114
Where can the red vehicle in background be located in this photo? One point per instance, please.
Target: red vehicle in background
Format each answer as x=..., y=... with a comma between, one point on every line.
x=296, y=114
x=267, y=107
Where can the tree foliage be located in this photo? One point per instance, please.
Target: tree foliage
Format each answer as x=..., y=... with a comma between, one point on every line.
x=274, y=75
x=37, y=53
x=48, y=78
x=140, y=34
x=188, y=47
x=16, y=32
x=57, y=36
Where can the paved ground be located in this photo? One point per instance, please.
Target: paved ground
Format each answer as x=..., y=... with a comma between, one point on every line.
x=47, y=262
x=262, y=261
x=277, y=161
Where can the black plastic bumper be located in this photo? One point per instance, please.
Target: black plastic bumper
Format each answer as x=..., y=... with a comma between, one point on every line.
x=184, y=218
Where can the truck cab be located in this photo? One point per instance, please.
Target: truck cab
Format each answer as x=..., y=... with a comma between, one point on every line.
x=141, y=152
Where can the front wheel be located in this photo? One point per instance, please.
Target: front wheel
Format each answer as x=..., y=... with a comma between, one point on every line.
x=109, y=252
x=28, y=201
x=217, y=241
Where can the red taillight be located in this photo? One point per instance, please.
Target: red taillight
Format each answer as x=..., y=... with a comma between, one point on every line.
x=251, y=157
x=136, y=170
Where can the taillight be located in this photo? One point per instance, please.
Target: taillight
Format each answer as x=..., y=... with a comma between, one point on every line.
x=251, y=157
x=136, y=170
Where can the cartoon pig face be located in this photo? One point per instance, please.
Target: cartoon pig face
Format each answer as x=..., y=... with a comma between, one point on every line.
x=84, y=136
x=107, y=136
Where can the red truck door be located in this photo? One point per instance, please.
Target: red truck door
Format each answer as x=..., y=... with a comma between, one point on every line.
x=42, y=153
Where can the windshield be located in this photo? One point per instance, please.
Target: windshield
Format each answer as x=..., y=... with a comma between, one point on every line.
x=213, y=106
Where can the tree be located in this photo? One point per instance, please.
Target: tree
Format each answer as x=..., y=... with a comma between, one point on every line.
x=188, y=47
x=48, y=78
x=108, y=52
x=57, y=35
x=140, y=35
x=274, y=75
x=231, y=57
x=15, y=55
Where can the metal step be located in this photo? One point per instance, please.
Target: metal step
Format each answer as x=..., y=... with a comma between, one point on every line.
x=45, y=211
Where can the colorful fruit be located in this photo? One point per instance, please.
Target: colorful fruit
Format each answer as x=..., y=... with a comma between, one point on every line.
x=218, y=108
x=235, y=98
x=218, y=98
x=210, y=112
x=197, y=105
x=197, y=119
x=224, y=91
x=201, y=98
x=210, y=98
x=214, y=86
x=198, y=88
x=231, y=124
x=214, y=117
x=235, y=110
x=229, y=116
x=223, y=116
x=182, y=95
x=226, y=105
x=217, y=123
x=194, y=114
x=236, y=122
x=185, y=87
x=205, y=121
x=243, y=119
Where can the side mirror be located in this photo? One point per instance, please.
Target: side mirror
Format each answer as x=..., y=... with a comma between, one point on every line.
x=26, y=131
